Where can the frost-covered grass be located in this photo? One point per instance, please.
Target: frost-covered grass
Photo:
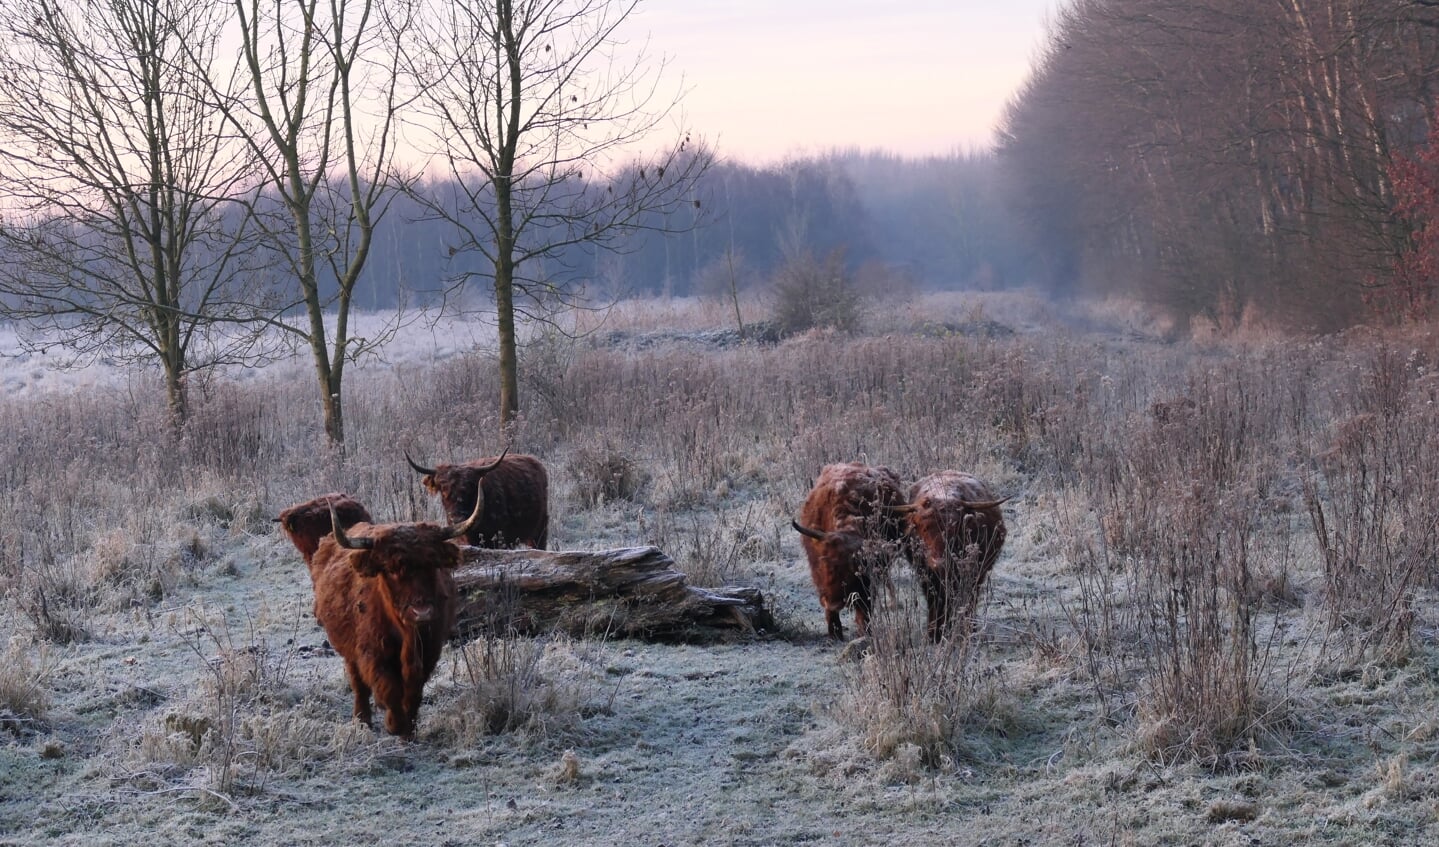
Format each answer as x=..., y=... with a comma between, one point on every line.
x=1170, y=652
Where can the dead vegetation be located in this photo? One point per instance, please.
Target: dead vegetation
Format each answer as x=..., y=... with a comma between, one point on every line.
x=1212, y=615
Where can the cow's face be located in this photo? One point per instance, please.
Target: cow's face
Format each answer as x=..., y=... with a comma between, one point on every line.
x=412, y=563
x=457, y=487
x=417, y=593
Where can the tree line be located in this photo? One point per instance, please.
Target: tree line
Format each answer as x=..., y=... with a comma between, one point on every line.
x=187, y=184
x=938, y=222
x=1227, y=159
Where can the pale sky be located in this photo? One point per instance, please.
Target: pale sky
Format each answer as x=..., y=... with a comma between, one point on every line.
x=770, y=78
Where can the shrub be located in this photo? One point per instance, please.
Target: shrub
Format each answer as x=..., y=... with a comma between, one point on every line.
x=910, y=698
x=602, y=474
x=506, y=683
x=1370, y=499
x=812, y=293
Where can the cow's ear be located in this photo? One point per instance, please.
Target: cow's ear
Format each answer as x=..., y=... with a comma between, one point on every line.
x=365, y=563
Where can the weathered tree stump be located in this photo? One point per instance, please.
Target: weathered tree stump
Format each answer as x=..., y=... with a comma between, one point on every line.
x=632, y=592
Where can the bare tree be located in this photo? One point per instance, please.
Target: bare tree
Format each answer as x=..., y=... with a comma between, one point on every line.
x=319, y=113
x=529, y=104
x=117, y=188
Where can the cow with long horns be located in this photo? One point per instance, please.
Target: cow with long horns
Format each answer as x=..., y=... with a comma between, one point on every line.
x=850, y=534
x=385, y=595
x=954, y=534
x=516, y=494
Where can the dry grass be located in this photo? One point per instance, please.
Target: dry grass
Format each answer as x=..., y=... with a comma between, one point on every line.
x=506, y=684
x=920, y=703
x=1217, y=588
x=1370, y=498
x=24, y=689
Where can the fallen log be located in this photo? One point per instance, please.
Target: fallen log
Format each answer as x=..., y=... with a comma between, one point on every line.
x=631, y=592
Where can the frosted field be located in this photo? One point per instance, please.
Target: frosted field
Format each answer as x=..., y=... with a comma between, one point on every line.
x=162, y=679
x=420, y=340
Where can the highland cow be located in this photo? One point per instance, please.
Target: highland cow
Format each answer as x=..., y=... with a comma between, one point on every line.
x=516, y=498
x=954, y=534
x=385, y=595
x=850, y=535
x=308, y=522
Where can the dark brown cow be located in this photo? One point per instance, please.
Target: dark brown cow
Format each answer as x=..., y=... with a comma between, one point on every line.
x=850, y=532
x=517, y=498
x=955, y=533
x=306, y=523
x=385, y=595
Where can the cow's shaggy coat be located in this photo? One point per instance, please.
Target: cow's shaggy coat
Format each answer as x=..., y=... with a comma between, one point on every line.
x=955, y=532
x=850, y=532
x=516, y=498
x=385, y=595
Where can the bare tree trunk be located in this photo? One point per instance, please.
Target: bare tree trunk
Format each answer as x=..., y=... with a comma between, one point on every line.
x=734, y=290
x=509, y=357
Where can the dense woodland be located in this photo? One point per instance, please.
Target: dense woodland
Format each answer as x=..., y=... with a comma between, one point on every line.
x=1231, y=159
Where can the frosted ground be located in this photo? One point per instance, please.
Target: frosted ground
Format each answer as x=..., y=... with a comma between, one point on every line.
x=420, y=340
x=203, y=708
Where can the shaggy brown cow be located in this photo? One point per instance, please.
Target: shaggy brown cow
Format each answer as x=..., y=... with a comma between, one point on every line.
x=517, y=498
x=850, y=532
x=955, y=533
x=306, y=523
x=385, y=595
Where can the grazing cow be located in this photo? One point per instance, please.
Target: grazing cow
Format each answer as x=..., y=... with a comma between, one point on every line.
x=306, y=523
x=385, y=595
x=955, y=533
x=850, y=533
x=517, y=498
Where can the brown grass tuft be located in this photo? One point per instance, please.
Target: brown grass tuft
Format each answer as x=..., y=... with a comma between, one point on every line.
x=24, y=693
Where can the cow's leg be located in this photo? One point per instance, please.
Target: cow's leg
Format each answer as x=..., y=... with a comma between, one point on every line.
x=362, y=693
x=410, y=707
x=390, y=693
x=833, y=625
x=936, y=601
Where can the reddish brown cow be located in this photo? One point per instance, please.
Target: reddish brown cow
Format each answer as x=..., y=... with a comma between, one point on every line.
x=955, y=533
x=517, y=498
x=850, y=532
x=385, y=595
x=306, y=523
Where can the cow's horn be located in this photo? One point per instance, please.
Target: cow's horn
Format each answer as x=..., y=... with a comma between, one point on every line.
x=492, y=465
x=418, y=467
x=980, y=505
x=460, y=529
x=806, y=531
x=344, y=540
